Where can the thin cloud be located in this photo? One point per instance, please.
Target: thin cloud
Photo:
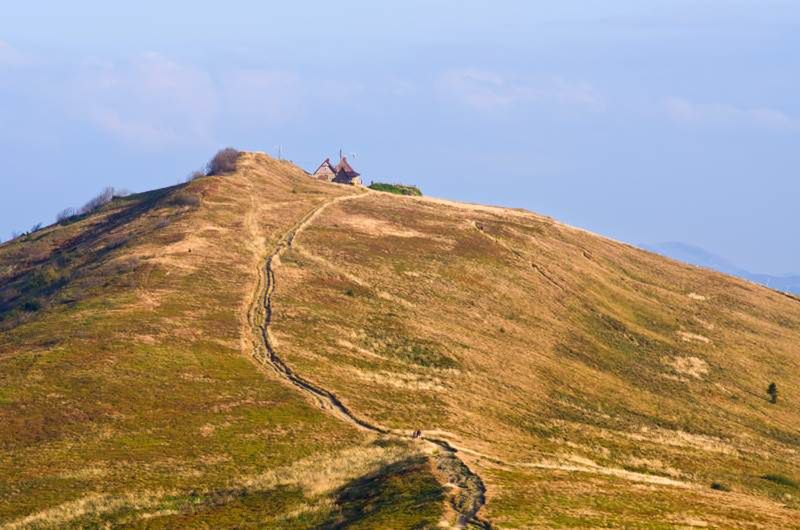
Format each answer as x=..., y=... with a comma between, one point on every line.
x=718, y=114
x=150, y=101
x=258, y=95
x=263, y=98
x=479, y=89
x=154, y=102
x=487, y=90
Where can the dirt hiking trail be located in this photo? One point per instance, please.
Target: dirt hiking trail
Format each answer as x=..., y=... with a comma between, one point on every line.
x=469, y=493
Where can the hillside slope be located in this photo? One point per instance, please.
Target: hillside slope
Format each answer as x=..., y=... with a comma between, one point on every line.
x=128, y=392
x=257, y=349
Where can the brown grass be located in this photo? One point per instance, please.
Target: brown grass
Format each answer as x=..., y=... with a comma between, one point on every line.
x=560, y=337
x=588, y=383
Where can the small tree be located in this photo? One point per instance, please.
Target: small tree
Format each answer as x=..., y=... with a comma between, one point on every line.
x=103, y=198
x=196, y=174
x=223, y=162
x=772, y=390
x=65, y=214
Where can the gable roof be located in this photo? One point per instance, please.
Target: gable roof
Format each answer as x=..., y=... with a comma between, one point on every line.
x=345, y=168
x=325, y=165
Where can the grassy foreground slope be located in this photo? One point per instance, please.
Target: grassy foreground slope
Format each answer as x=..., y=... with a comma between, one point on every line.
x=589, y=383
x=127, y=391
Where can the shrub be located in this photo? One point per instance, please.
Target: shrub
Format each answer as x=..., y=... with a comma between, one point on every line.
x=780, y=479
x=719, y=486
x=772, y=390
x=45, y=279
x=194, y=175
x=35, y=228
x=65, y=215
x=183, y=198
x=398, y=189
x=103, y=198
x=31, y=306
x=223, y=162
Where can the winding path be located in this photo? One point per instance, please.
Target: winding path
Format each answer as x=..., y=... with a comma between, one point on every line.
x=469, y=496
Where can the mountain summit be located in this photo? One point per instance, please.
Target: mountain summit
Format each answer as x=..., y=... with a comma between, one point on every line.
x=265, y=349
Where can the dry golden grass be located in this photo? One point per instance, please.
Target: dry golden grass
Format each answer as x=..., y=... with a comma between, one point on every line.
x=133, y=383
x=318, y=476
x=588, y=383
x=539, y=344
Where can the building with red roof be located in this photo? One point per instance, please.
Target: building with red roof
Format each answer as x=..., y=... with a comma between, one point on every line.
x=343, y=173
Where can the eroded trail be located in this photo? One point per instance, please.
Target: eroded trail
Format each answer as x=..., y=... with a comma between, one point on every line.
x=469, y=493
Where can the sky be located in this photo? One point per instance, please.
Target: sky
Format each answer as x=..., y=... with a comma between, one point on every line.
x=647, y=121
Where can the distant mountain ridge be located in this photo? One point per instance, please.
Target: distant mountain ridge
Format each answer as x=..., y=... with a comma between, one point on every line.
x=702, y=258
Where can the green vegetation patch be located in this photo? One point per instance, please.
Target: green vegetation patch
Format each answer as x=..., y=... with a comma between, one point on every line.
x=397, y=189
x=781, y=480
x=404, y=494
x=387, y=337
x=228, y=509
x=719, y=486
x=582, y=500
x=81, y=260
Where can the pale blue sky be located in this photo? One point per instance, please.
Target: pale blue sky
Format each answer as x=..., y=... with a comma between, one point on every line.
x=645, y=121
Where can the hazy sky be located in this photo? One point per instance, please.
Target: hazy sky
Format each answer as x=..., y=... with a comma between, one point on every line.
x=645, y=121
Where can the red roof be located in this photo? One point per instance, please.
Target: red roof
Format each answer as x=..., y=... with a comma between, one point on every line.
x=345, y=168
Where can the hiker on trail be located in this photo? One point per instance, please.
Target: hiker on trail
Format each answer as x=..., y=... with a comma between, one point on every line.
x=416, y=434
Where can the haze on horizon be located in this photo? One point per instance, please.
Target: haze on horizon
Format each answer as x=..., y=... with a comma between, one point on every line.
x=671, y=121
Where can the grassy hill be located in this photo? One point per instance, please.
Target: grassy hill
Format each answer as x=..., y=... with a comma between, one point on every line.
x=398, y=189
x=257, y=350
